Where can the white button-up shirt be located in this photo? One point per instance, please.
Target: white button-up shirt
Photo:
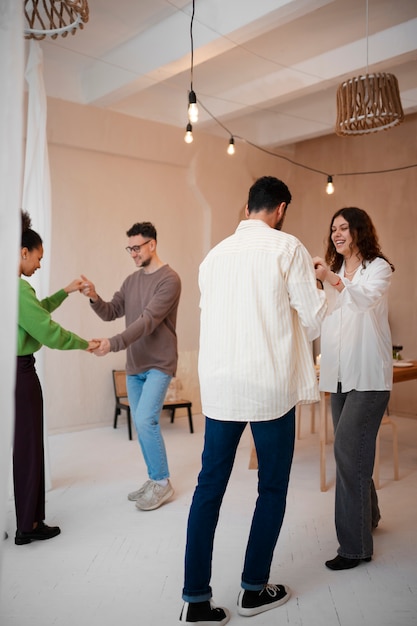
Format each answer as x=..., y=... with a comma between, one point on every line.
x=356, y=347
x=260, y=310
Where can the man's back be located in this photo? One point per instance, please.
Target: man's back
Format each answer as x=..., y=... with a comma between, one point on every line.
x=257, y=291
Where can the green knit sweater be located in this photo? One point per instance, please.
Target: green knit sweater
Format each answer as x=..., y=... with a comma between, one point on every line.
x=36, y=327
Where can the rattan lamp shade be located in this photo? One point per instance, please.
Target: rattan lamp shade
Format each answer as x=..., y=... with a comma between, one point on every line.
x=367, y=104
x=54, y=17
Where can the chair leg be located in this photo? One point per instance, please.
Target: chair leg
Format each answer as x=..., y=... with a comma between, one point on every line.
x=326, y=399
x=395, y=450
x=376, y=463
x=172, y=415
x=298, y=420
x=386, y=420
x=129, y=423
x=116, y=413
x=322, y=439
x=190, y=419
x=313, y=418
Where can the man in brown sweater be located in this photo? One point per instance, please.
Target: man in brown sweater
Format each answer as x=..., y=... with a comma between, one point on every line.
x=149, y=301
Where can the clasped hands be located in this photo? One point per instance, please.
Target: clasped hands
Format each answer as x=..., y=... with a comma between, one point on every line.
x=99, y=347
x=320, y=268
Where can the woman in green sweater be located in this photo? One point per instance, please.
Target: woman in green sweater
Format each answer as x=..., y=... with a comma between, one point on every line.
x=35, y=329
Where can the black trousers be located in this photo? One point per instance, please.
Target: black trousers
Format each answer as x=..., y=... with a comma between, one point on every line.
x=28, y=451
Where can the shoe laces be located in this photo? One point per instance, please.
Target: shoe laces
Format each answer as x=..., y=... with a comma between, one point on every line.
x=271, y=590
x=215, y=608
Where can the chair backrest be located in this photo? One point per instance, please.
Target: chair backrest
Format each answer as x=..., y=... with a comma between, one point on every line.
x=119, y=381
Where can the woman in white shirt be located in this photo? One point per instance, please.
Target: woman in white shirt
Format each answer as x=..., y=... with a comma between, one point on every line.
x=356, y=368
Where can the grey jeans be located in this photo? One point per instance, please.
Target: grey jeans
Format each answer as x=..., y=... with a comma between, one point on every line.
x=356, y=417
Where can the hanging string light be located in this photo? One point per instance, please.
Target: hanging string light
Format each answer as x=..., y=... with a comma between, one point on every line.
x=329, y=186
x=192, y=107
x=188, y=138
x=231, y=146
x=192, y=98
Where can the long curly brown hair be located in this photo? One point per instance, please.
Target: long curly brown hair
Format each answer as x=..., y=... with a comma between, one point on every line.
x=363, y=234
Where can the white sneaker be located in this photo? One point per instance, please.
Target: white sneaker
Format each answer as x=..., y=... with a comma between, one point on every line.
x=134, y=495
x=154, y=496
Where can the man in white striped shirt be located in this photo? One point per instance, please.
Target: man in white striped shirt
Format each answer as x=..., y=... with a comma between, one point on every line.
x=260, y=310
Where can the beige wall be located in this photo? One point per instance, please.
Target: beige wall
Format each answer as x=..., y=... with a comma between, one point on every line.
x=109, y=171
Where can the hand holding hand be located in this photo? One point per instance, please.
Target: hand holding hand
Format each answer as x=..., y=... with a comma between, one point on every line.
x=320, y=268
x=103, y=347
x=75, y=285
x=325, y=273
x=87, y=288
x=93, y=344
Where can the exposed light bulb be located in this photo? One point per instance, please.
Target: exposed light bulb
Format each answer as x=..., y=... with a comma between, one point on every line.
x=329, y=186
x=231, y=146
x=188, y=138
x=192, y=107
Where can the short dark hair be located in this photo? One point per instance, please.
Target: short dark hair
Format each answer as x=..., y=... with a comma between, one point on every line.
x=146, y=229
x=267, y=193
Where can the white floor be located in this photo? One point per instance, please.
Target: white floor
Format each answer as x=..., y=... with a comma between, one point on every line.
x=114, y=565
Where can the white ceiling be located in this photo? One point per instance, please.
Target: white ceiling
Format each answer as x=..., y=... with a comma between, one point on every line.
x=267, y=70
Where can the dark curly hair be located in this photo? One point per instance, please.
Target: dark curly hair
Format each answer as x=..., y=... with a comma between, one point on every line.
x=363, y=234
x=30, y=238
x=146, y=229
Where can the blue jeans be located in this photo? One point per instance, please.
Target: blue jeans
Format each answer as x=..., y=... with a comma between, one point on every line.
x=146, y=392
x=356, y=416
x=274, y=443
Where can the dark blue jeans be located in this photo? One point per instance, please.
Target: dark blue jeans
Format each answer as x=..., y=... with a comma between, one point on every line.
x=274, y=443
x=356, y=416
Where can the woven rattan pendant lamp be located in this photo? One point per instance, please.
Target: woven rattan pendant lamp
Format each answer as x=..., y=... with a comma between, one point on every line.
x=54, y=17
x=368, y=103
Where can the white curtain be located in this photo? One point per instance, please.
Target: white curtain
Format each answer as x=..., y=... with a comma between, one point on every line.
x=37, y=190
x=11, y=141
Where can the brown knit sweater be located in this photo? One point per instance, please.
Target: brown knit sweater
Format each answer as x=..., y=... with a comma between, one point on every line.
x=149, y=303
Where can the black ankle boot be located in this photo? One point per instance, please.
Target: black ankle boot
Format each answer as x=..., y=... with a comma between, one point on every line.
x=341, y=562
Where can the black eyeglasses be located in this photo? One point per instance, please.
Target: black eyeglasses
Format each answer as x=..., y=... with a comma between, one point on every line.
x=130, y=249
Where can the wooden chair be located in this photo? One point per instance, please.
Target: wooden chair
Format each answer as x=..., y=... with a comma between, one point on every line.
x=122, y=403
x=386, y=420
x=298, y=419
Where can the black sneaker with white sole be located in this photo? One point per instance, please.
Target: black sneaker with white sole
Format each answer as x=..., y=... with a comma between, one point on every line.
x=254, y=602
x=204, y=614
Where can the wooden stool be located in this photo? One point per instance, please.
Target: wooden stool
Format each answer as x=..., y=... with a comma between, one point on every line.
x=387, y=420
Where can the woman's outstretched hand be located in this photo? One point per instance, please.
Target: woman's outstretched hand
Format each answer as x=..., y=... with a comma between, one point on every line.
x=75, y=285
x=102, y=348
x=93, y=344
x=87, y=288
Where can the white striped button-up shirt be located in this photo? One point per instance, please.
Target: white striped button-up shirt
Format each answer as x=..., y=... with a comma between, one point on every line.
x=260, y=310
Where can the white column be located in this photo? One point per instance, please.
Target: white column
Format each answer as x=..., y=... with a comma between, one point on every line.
x=11, y=139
